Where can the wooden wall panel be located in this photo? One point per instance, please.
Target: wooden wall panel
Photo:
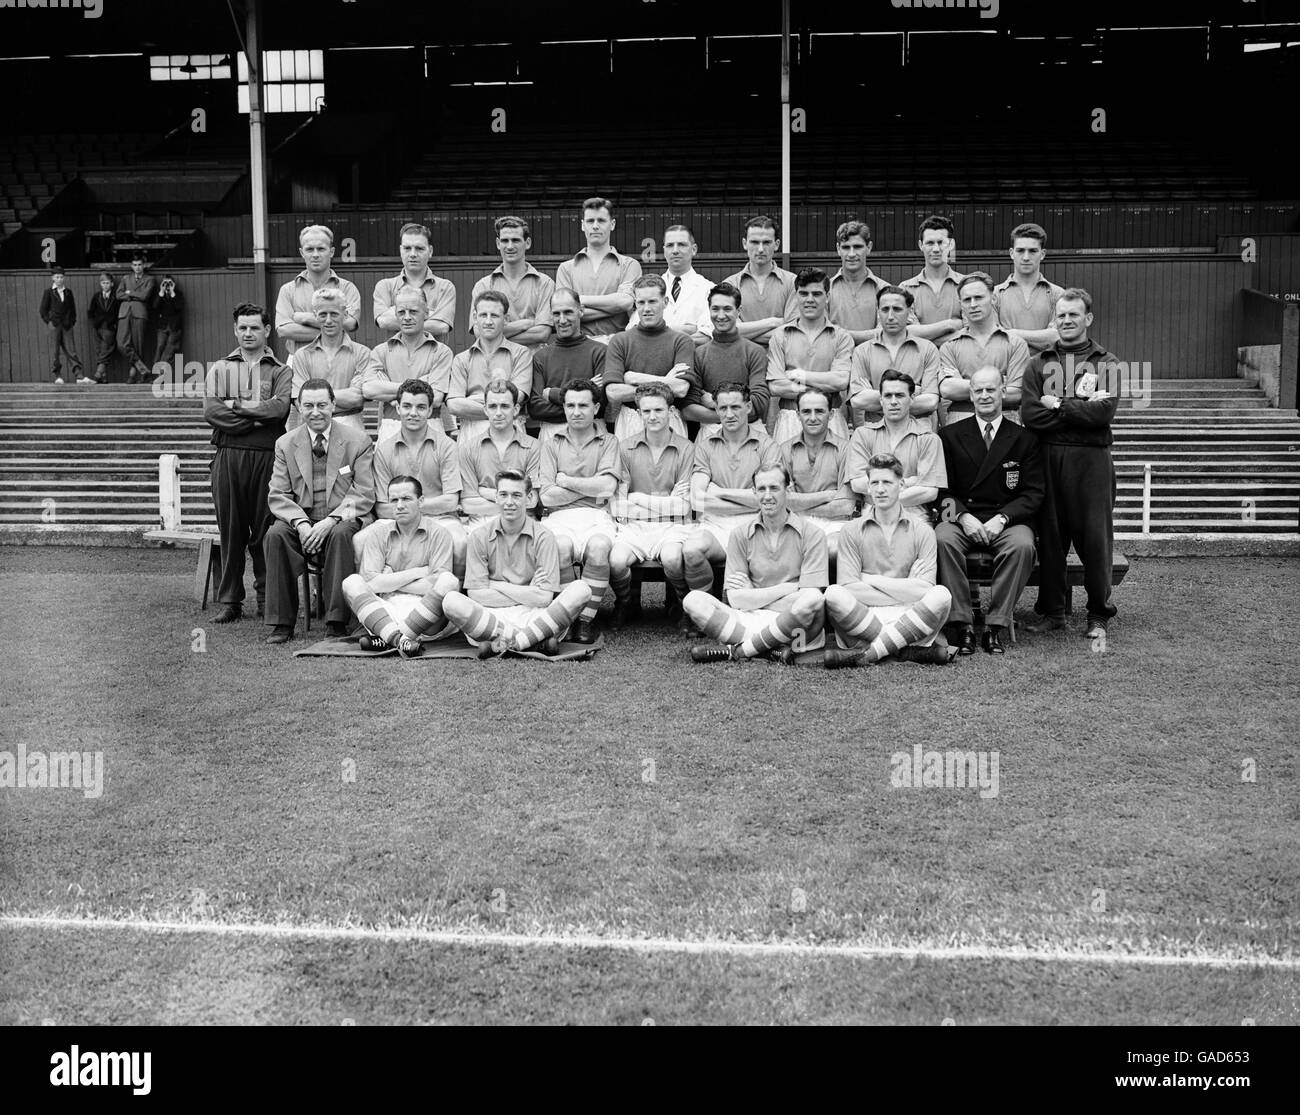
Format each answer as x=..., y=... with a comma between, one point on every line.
x=1176, y=312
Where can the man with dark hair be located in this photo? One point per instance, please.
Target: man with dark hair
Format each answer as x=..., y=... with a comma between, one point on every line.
x=995, y=488
x=528, y=292
x=1068, y=405
x=892, y=346
x=170, y=321
x=103, y=320
x=59, y=313
x=405, y=574
x=502, y=445
x=513, y=599
x=854, y=290
x=817, y=461
x=322, y=491
x=1026, y=300
x=601, y=276
x=809, y=352
x=726, y=357
x=653, y=500
x=296, y=322
x=580, y=469
x=686, y=291
x=439, y=294
x=422, y=450
x=897, y=434
x=246, y=400
x=648, y=352
x=937, y=309
x=885, y=601
x=134, y=294
x=981, y=343
x=775, y=576
x=722, y=487
x=570, y=356
x=767, y=290
x=490, y=356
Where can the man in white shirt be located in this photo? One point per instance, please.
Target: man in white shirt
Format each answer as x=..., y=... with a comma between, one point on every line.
x=686, y=306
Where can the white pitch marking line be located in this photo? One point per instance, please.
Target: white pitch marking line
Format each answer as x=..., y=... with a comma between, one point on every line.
x=653, y=944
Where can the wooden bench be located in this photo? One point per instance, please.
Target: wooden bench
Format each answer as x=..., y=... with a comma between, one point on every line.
x=979, y=571
x=207, y=574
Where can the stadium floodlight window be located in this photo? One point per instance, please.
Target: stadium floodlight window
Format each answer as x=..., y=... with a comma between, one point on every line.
x=188, y=67
x=292, y=81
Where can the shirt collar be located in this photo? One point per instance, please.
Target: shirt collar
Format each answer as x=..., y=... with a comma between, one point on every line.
x=716, y=434
x=529, y=269
x=952, y=277
x=792, y=519
x=267, y=354
x=563, y=432
x=428, y=276
x=305, y=277
x=776, y=270
x=964, y=331
x=346, y=342
x=830, y=440
x=869, y=516
x=914, y=425
x=870, y=277
x=396, y=339
x=422, y=527
x=997, y=424
x=798, y=324
x=1011, y=279
x=529, y=528
x=486, y=435
x=613, y=253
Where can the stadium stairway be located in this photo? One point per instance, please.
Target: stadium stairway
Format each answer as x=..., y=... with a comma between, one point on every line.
x=79, y=465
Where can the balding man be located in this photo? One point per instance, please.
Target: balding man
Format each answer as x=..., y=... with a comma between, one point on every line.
x=995, y=488
x=296, y=322
x=334, y=357
x=570, y=356
x=412, y=353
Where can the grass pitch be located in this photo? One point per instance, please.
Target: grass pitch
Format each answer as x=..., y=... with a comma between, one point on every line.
x=639, y=795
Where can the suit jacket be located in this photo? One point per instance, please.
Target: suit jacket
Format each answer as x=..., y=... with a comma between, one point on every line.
x=134, y=296
x=349, y=475
x=55, y=312
x=1008, y=478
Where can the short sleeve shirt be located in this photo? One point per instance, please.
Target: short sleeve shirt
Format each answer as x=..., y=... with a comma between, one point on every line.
x=965, y=355
x=829, y=350
x=915, y=357
x=775, y=300
x=669, y=475
x=295, y=298
x=480, y=460
x=615, y=275
x=531, y=557
x=732, y=467
x=384, y=546
x=930, y=307
x=392, y=360
x=854, y=306
x=1016, y=311
x=597, y=457
x=910, y=552
x=826, y=469
x=440, y=293
x=433, y=463
x=530, y=298
x=760, y=558
x=341, y=368
x=918, y=450
x=473, y=369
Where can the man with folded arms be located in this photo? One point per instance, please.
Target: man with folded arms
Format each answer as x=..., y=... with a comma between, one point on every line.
x=334, y=356
x=489, y=451
x=817, y=462
x=981, y=342
x=568, y=357
x=892, y=346
x=512, y=598
x=776, y=574
x=898, y=434
x=490, y=356
x=885, y=601
x=808, y=352
x=726, y=357
x=648, y=352
x=411, y=353
x=405, y=574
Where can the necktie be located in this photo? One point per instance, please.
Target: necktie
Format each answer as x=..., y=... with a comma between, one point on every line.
x=988, y=436
x=677, y=287
x=318, y=450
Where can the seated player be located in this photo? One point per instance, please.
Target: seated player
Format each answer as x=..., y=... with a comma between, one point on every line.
x=411, y=353
x=405, y=574
x=653, y=502
x=808, y=352
x=648, y=352
x=484, y=454
x=818, y=460
x=322, y=490
x=579, y=476
x=776, y=574
x=422, y=450
x=885, y=601
x=722, y=488
x=898, y=434
x=726, y=357
x=512, y=598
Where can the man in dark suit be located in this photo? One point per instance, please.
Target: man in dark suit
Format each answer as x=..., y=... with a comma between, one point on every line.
x=995, y=487
x=322, y=491
x=134, y=293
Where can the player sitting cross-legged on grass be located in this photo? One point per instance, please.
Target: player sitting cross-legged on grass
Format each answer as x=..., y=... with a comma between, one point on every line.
x=775, y=576
x=512, y=578
x=405, y=574
x=885, y=600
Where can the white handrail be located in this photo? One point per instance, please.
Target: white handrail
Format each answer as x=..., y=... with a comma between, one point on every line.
x=1146, y=498
x=169, y=491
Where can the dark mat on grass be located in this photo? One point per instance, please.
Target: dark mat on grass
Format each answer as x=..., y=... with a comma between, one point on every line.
x=455, y=647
